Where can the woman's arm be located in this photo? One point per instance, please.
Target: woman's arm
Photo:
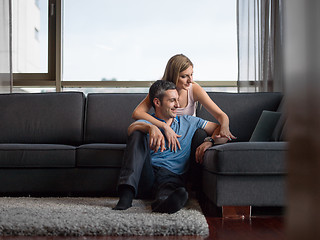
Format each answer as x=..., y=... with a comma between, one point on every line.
x=141, y=112
x=200, y=95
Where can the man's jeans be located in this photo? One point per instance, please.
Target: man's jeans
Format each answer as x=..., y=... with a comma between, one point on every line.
x=137, y=171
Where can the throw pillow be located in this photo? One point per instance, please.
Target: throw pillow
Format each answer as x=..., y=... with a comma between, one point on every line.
x=265, y=126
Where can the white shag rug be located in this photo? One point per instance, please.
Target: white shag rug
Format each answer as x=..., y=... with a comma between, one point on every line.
x=94, y=216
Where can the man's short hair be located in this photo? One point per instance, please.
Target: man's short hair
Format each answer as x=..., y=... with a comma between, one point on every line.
x=158, y=88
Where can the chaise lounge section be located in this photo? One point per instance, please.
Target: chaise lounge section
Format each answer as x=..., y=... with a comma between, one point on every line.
x=245, y=172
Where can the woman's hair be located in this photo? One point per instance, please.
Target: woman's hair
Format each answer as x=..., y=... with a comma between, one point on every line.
x=175, y=65
x=158, y=89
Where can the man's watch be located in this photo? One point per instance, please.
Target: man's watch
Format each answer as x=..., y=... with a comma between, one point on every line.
x=209, y=139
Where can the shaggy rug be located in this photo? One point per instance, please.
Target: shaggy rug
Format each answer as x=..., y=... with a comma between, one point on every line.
x=94, y=216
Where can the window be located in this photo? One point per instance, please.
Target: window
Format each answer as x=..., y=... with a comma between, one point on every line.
x=107, y=40
x=30, y=36
x=110, y=43
x=33, y=44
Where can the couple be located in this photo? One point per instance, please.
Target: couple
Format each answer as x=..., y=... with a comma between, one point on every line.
x=155, y=166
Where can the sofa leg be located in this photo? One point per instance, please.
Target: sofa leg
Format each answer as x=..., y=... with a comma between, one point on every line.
x=236, y=212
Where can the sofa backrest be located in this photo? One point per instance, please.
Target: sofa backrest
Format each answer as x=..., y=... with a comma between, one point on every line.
x=243, y=110
x=53, y=118
x=108, y=116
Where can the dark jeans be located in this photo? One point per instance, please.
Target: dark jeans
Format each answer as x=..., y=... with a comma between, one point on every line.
x=137, y=171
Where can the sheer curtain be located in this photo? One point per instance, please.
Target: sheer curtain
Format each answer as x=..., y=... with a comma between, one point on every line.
x=259, y=45
x=5, y=47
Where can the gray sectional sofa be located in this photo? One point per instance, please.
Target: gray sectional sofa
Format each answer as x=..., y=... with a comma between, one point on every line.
x=69, y=144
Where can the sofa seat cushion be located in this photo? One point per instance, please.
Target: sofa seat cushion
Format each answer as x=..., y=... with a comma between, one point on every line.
x=37, y=156
x=100, y=155
x=246, y=158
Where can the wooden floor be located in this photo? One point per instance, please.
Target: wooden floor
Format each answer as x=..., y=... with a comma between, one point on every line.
x=257, y=228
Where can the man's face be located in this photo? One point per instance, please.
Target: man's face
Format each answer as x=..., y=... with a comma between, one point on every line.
x=169, y=104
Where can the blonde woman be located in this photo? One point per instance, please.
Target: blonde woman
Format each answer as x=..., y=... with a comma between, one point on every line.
x=179, y=70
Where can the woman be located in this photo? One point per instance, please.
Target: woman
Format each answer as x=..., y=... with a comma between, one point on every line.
x=179, y=70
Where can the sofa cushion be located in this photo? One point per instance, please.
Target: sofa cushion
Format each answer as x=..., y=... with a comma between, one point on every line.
x=100, y=155
x=265, y=126
x=243, y=110
x=246, y=158
x=42, y=118
x=37, y=156
x=279, y=133
x=109, y=115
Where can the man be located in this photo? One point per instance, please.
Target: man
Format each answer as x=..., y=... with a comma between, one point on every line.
x=149, y=169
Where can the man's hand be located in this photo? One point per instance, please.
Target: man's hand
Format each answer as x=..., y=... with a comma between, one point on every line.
x=201, y=150
x=156, y=139
x=172, y=138
x=204, y=146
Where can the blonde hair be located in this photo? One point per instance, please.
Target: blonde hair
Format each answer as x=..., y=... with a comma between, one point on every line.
x=176, y=64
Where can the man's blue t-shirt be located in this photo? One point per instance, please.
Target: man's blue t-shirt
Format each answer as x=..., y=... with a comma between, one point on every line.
x=177, y=161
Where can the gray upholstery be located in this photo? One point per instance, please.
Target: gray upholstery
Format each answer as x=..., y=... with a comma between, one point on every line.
x=58, y=181
x=243, y=110
x=247, y=158
x=240, y=172
x=239, y=190
x=100, y=155
x=37, y=156
x=279, y=133
x=108, y=116
x=265, y=127
x=54, y=118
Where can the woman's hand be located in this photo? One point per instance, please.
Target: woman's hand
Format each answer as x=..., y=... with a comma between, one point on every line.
x=156, y=139
x=225, y=132
x=172, y=138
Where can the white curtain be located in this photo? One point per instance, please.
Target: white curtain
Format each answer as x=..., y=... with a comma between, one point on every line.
x=260, y=45
x=5, y=47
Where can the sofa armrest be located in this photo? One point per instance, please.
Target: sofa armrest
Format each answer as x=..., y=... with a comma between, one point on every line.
x=246, y=158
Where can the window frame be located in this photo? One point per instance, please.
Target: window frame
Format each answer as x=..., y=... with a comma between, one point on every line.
x=43, y=79
x=53, y=78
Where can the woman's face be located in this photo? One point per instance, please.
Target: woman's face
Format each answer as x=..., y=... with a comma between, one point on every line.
x=185, y=79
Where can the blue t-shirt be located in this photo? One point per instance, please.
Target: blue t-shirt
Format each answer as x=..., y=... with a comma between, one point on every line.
x=177, y=162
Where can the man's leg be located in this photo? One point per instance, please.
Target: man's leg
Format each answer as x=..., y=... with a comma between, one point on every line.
x=171, y=193
x=136, y=164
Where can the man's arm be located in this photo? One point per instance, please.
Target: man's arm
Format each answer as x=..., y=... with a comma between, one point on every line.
x=156, y=138
x=212, y=129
